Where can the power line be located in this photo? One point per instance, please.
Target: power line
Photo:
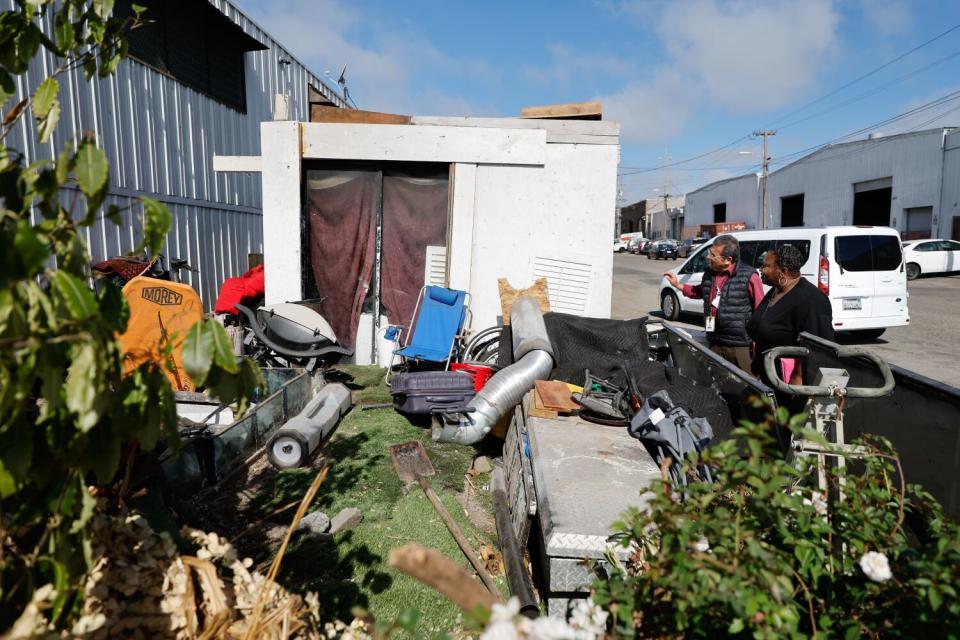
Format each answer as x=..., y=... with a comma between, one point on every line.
x=873, y=91
x=867, y=74
x=949, y=97
x=809, y=104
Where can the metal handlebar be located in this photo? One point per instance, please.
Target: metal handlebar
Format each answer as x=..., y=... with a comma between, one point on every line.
x=770, y=359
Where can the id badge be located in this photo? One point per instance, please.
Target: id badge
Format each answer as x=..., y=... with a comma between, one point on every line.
x=710, y=323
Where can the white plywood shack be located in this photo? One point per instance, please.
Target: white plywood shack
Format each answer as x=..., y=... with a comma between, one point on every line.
x=527, y=217
x=520, y=205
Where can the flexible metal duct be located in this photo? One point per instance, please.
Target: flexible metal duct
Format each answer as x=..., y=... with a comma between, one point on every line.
x=505, y=390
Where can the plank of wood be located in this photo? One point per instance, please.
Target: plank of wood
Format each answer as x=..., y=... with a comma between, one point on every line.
x=555, y=395
x=570, y=131
x=534, y=411
x=570, y=110
x=408, y=143
x=320, y=113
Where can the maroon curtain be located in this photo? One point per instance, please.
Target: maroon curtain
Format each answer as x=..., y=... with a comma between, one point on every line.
x=414, y=216
x=341, y=206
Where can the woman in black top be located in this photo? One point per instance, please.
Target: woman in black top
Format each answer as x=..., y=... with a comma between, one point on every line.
x=792, y=305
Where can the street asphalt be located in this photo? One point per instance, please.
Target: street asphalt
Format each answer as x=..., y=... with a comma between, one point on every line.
x=929, y=345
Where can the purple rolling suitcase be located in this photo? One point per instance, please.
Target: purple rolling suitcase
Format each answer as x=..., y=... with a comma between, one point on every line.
x=426, y=392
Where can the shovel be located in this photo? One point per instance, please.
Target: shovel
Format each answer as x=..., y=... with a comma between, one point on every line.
x=411, y=463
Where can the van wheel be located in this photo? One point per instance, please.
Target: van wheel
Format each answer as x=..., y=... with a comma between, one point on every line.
x=913, y=271
x=868, y=334
x=669, y=305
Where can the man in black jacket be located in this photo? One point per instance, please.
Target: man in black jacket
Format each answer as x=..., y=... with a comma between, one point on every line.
x=730, y=291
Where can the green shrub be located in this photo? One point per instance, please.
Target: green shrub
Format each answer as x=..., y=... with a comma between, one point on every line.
x=761, y=553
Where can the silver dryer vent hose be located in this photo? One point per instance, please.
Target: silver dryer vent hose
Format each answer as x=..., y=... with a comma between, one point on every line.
x=505, y=390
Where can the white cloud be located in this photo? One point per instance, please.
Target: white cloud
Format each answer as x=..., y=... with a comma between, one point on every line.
x=654, y=110
x=568, y=66
x=751, y=56
x=325, y=35
x=887, y=16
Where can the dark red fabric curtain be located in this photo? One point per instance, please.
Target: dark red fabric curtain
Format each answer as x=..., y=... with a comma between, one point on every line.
x=342, y=208
x=414, y=217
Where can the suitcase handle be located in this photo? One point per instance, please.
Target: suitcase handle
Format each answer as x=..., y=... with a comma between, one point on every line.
x=443, y=400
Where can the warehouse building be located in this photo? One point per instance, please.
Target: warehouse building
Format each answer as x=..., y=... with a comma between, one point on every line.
x=909, y=181
x=200, y=79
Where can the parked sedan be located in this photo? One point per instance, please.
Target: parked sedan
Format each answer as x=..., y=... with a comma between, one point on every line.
x=690, y=245
x=931, y=256
x=644, y=247
x=663, y=249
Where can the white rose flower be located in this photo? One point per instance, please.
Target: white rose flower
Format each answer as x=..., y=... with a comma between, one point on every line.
x=589, y=620
x=546, y=628
x=702, y=545
x=500, y=630
x=819, y=503
x=876, y=566
x=505, y=612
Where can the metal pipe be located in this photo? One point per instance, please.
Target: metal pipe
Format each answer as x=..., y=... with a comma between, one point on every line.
x=518, y=579
x=505, y=390
x=293, y=443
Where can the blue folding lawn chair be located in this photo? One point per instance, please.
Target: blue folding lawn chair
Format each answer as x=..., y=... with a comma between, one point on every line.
x=439, y=319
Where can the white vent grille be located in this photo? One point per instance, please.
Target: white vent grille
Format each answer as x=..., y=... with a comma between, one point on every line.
x=435, y=268
x=568, y=283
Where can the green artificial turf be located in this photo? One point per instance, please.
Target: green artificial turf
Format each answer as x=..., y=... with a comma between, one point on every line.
x=352, y=569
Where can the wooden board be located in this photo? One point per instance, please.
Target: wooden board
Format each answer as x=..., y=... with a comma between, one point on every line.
x=555, y=395
x=508, y=295
x=535, y=407
x=410, y=143
x=319, y=113
x=582, y=110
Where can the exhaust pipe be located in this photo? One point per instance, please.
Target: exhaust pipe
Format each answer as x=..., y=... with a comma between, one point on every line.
x=534, y=361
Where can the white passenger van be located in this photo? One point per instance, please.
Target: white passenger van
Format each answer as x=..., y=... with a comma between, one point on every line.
x=860, y=269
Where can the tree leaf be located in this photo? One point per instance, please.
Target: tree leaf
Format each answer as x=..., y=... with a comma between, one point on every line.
x=48, y=123
x=222, y=347
x=156, y=224
x=88, y=505
x=91, y=168
x=7, y=484
x=7, y=87
x=76, y=296
x=32, y=252
x=81, y=386
x=198, y=353
x=45, y=97
x=63, y=28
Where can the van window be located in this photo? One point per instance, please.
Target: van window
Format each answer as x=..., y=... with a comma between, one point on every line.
x=755, y=251
x=698, y=263
x=868, y=253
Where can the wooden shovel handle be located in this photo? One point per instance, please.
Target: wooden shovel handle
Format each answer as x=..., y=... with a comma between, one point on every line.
x=465, y=546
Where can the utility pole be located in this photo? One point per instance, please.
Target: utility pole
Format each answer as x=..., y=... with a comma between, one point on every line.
x=666, y=160
x=766, y=162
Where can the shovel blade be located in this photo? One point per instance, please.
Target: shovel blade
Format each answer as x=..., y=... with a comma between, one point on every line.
x=411, y=461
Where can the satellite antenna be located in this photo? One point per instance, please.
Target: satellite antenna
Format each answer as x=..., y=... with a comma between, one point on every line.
x=342, y=80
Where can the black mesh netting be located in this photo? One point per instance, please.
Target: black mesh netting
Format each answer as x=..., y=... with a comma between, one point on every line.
x=605, y=347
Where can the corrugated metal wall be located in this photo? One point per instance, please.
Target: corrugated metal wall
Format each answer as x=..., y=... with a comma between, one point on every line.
x=161, y=136
x=950, y=191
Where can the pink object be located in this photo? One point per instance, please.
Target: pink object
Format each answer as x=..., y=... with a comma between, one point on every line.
x=787, y=367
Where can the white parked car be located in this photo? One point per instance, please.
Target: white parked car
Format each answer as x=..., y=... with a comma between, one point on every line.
x=861, y=270
x=924, y=257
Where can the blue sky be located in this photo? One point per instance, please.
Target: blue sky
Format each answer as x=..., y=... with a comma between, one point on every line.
x=688, y=75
